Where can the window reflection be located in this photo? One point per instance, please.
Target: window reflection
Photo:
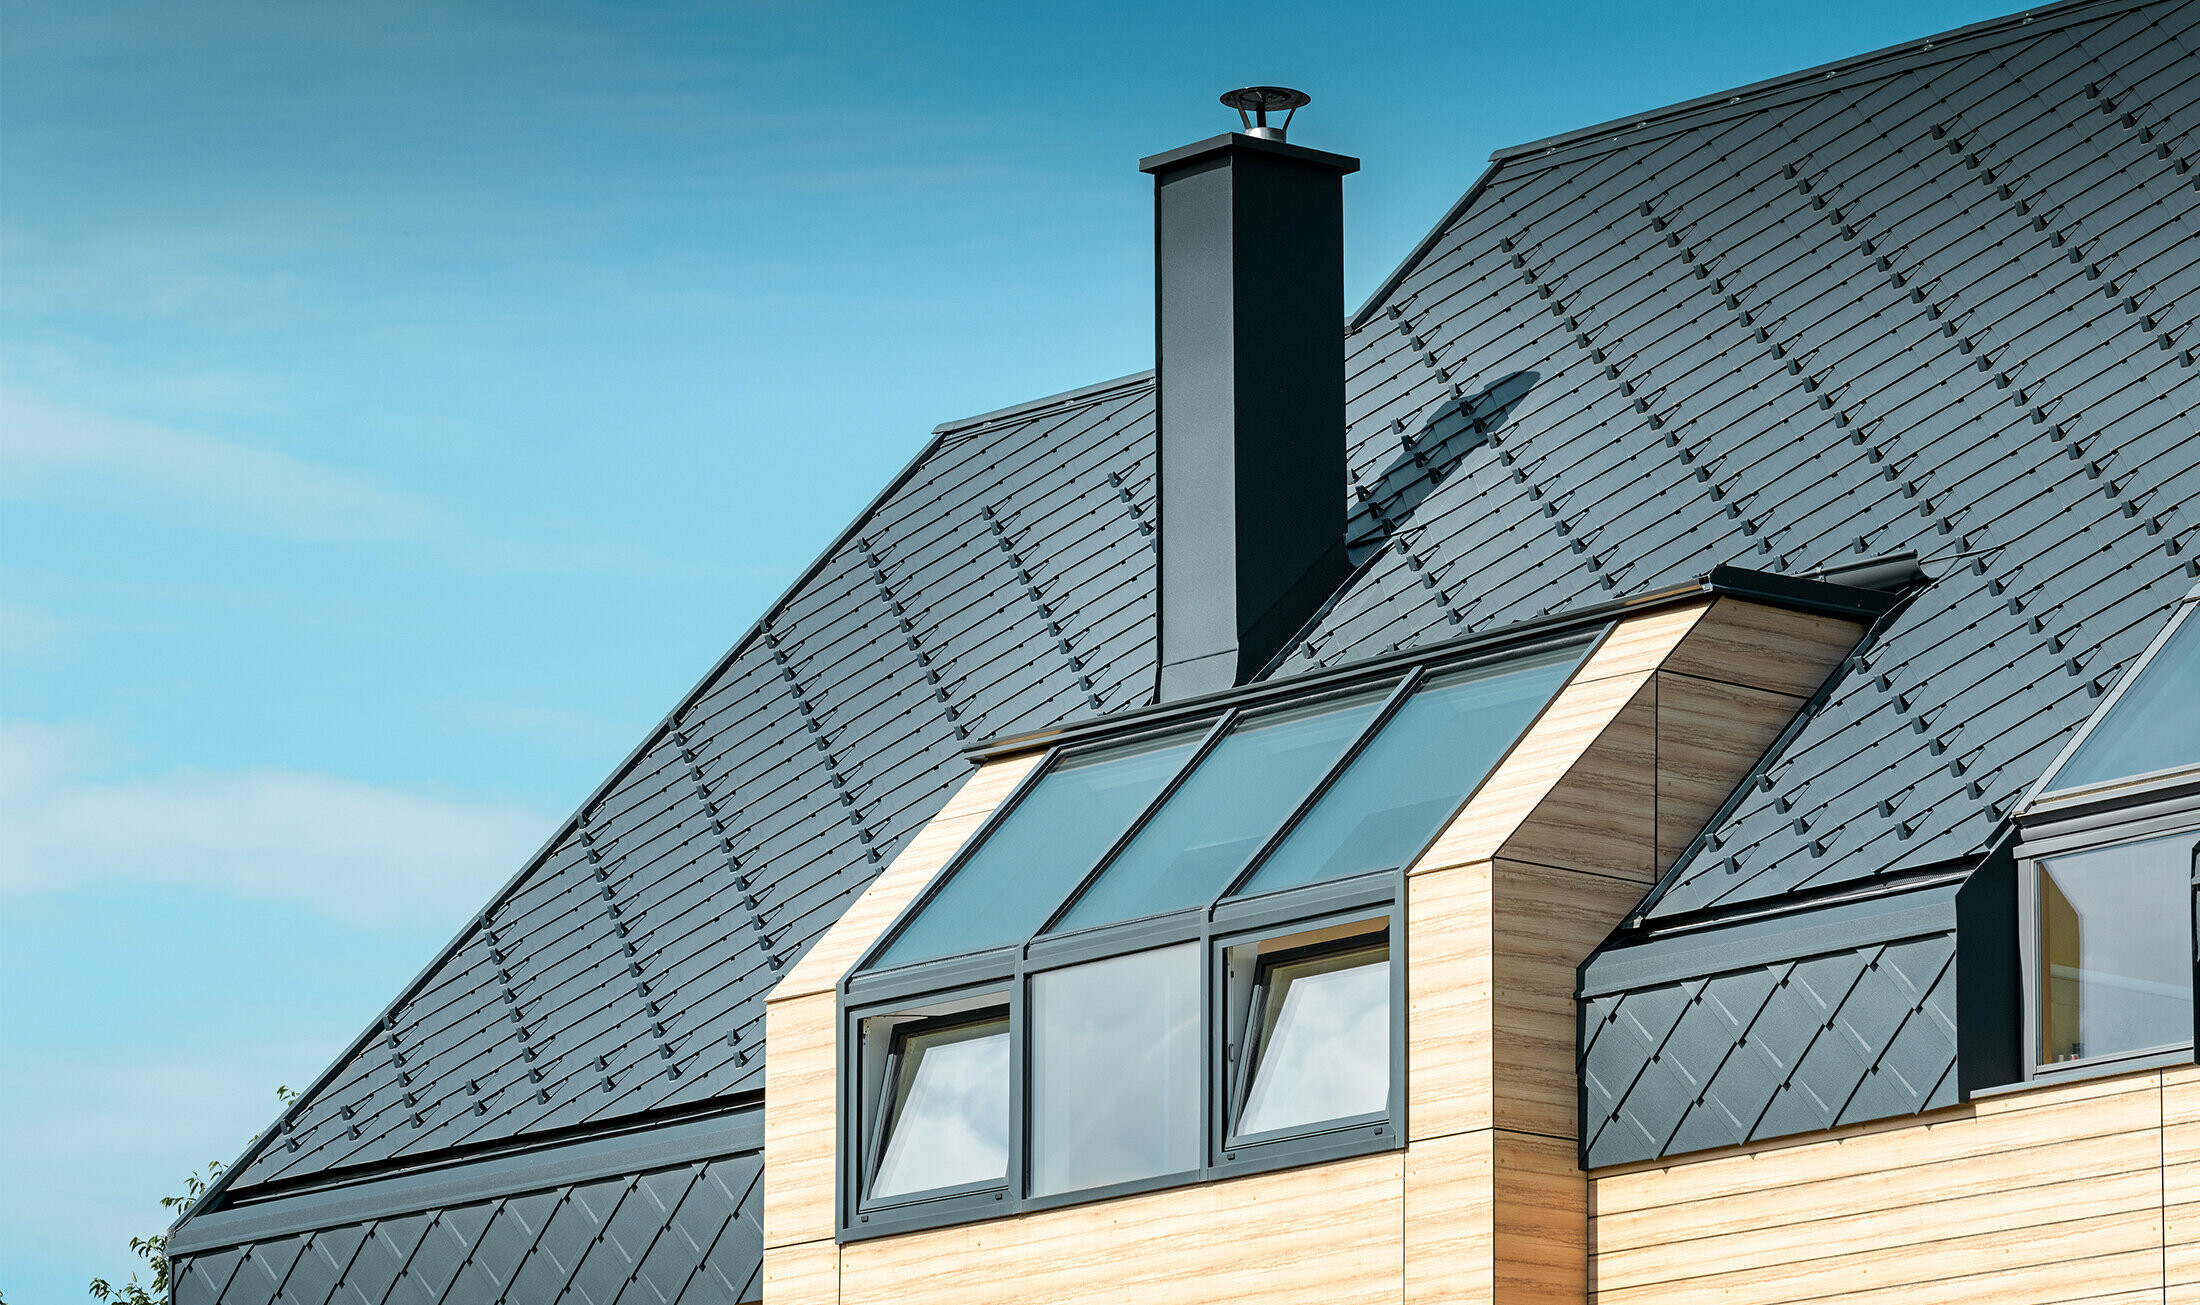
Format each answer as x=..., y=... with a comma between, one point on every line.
x=1115, y=1061
x=1033, y=859
x=946, y=1123
x=2154, y=724
x=1409, y=780
x=1211, y=827
x=1320, y=1050
x=2115, y=950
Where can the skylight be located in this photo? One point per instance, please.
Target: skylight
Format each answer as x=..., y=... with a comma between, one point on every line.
x=1005, y=891
x=1211, y=828
x=1376, y=775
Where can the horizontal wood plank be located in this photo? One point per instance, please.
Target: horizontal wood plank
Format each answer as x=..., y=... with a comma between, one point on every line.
x=1328, y=1234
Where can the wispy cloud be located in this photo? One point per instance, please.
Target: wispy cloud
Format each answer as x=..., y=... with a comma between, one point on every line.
x=45, y=442
x=357, y=853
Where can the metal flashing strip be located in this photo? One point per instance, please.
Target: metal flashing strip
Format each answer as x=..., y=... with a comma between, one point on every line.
x=1913, y=914
x=1519, y=638
x=1829, y=597
x=1753, y=97
x=1029, y=406
x=651, y=1148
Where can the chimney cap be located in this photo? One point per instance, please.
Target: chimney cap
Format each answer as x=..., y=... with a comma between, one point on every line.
x=1255, y=103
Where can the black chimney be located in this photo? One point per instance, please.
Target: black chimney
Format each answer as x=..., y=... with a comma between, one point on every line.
x=1249, y=344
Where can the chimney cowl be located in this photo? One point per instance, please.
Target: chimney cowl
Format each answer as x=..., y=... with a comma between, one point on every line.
x=1255, y=103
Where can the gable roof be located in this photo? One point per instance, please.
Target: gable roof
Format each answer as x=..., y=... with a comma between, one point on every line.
x=1938, y=298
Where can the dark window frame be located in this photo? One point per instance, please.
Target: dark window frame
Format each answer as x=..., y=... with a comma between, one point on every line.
x=2061, y=821
x=861, y=1111
x=2169, y=815
x=878, y=1104
x=1224, y=921
x=1234, y=1153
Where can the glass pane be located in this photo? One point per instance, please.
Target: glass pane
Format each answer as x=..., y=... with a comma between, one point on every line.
x=1037, y=855
x=1411, y=777
x=1214, y=823
x=2115, y=950
x=2154, y=726
x=1323, y=1048
x=1115, y=1058
x=947, y=1122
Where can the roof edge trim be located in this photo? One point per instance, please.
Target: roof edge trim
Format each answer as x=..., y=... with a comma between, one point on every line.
x=1917, y=911
x=1082, y=392
x=653, y=1148
x=2053, y=15
x=1419, y=252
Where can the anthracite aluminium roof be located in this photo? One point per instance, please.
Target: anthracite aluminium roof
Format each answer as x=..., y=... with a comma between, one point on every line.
x=1939, y=298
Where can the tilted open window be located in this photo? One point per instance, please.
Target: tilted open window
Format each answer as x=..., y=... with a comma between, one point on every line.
x=2108, y=872
x=1168, y=956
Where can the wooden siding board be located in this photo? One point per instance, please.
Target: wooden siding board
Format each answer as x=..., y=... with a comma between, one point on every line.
x=2063, y=1193
x=800, y=1111
x=1328, y=1235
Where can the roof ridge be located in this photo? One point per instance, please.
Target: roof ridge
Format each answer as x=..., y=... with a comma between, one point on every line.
x=2002, y=29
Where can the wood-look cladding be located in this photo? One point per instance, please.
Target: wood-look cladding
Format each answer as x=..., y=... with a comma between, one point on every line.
x=2079, y=1192
x=1486, y=1202
x=1323, y=1236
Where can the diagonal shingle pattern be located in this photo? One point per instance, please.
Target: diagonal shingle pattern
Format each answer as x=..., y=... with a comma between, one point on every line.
x=1938, y=299
x=672, y=1236
x=1006, y=581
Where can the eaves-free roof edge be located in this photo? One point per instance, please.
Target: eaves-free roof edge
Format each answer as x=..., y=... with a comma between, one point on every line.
x=1421, y=250
x=1748, y=98
x=656, y=1147
x=1636, y=127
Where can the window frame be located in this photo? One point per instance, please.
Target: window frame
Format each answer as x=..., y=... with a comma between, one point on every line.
x=861, y=1117
x=1222, y=922
x=2110, y=813
x=1233, y=1153
x=875, y=1128
x=2095, y=831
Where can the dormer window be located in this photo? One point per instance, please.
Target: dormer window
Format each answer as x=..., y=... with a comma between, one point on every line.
x=1168, y=956
x=2108, y=869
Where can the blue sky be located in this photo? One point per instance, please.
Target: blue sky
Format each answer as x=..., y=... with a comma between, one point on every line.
x=401, y=404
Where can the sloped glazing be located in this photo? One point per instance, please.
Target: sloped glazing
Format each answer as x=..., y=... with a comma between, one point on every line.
x=1406, y=784
x=1214, y=824
x=1035, y=858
